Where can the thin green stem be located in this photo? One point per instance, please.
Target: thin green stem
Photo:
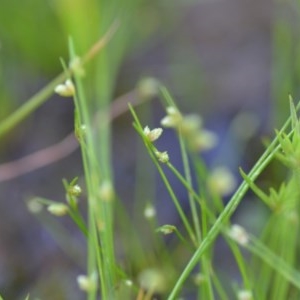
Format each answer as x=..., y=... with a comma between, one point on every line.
x=137, y=125
x=30, y=105
x=188, y=177
x=191, y=190
x=78, y=220
x=226, y=213
x=43, y=95
x=273, y=260
x=187, y=171
x=240, y=262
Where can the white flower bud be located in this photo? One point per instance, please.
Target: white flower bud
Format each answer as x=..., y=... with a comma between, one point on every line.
x=244, y=295
x=198, y=279
x=173, y=118
x=162, y=156
x=75, y=190
x=66, y=89
x=87, y=283
x=166, y=229
x=58, y=209
x=191, y=124
x=153, y=134
x=221, y=181
x=34, y=206
x=106, y=191
x=150, y=211
x=153, y=280
x=239, y=234
x=128, y=282
x=148, y=88
x=76, y=66
x=204, y=140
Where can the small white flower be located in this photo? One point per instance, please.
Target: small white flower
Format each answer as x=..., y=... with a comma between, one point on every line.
x=162, y=156
x=128, y=282
x=166, y=229
x=239, y=234
x=204, y=140
x=244, y=295
x=150, y=211
x=66, y=89
x=153, y=280
x=76, y=66
x=148, y=88
x=173, y=118
x=75, y=190
x=221, y=181
x=153, y=134
x=172, y=111
x=87, y=283
x=58, y=209
x=191, y=123
x=106, y=191
x=34, y=206
x=199, y=278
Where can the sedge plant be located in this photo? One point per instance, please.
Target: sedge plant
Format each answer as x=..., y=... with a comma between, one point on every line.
x=275, y=267
x=183, y=263
x=143, y=274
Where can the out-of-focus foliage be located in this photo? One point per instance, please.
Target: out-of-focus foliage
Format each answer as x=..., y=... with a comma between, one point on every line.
x=34, y=36
x=31, y=34
x=286, y=59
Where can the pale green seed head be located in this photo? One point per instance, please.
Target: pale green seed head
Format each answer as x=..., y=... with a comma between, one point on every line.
x=58, y=209
x=66, y=89
x=239, y=234
x=221, y=181
x=87, y=283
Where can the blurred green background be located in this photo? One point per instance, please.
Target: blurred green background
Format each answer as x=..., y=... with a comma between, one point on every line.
x=218, y=57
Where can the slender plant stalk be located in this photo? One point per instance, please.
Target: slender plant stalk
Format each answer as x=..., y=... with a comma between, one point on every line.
x=150, y=149
x=43, y=95
x=227, y=212
x=275, y=261
x=188, y=177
